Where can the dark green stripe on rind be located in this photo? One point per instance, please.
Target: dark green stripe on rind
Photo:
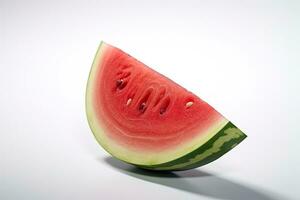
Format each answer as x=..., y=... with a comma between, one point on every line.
x=226, y=139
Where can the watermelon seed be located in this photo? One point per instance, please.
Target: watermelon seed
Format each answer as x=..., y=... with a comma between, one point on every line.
x=120, y=83
x=189, y=104
x=142, y=107
x=129, y=101
x=162, y=111
x=165, y=104
x=144, y=99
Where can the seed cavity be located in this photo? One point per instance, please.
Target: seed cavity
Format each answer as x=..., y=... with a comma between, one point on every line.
x=144, y=100
x=164, y=106
x=128, y=101
x=142, y=107
x=160, y=96
x=120, y=84
x=126, y=66
x=126, y=74
x=189, y=104
x=162, y=111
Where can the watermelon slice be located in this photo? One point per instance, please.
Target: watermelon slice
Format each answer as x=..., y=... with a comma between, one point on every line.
x=141, y=117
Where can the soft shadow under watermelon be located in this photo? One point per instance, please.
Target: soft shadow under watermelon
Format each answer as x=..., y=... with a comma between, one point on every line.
x=194, y=181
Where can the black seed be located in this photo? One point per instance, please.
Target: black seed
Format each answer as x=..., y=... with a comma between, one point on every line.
x=164, y=105
x=162, y=111
x=120, y=83
x=142, y=107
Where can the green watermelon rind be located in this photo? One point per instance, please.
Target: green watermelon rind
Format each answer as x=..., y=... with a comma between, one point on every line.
x=225, y=140
x=221, y=138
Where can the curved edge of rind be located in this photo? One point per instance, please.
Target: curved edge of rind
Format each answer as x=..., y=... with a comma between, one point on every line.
x=88, y=91
x=225, y=140
x=184, y=162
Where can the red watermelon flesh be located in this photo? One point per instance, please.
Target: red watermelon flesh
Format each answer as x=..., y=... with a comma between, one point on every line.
x=137, y=112
x=148, y=110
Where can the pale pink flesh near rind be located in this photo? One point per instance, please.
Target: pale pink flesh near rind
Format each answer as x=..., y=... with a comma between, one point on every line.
x=136, y=128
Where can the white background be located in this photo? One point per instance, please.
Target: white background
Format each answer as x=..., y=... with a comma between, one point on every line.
x=240, y=56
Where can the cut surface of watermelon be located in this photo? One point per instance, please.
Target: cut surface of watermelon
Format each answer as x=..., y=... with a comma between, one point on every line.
x=143, y=118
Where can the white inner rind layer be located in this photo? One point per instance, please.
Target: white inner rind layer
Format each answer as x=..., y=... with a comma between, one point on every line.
x=126, y=154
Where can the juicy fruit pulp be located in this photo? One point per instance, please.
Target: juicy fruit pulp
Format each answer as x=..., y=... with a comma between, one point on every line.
x=144, y=118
